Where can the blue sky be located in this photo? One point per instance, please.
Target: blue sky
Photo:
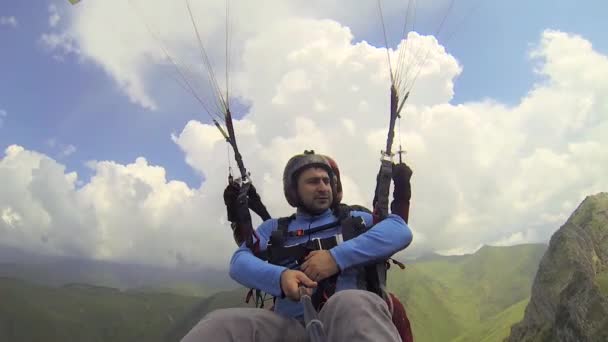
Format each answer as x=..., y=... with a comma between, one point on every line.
x=494, y=40
x=77, y=104
x=508, y=28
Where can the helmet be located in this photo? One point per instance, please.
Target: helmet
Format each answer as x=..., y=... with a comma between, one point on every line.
x=295, y=166
x=338, y=194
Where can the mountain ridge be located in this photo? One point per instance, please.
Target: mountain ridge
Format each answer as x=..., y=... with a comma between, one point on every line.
x=569, y=299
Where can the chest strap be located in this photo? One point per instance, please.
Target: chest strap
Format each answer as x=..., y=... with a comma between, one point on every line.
x=279, y=254
x=293, y=256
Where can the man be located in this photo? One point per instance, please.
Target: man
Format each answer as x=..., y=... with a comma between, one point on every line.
x=350, y=314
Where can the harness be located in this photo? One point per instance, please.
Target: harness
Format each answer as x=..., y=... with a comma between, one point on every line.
x=293, y=256
x=370, y=277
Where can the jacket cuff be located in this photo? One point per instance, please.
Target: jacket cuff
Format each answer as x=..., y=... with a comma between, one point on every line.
x=338, y=258
x=277, y=291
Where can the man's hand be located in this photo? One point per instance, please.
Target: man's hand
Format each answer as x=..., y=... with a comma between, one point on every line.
x=230, y=200
x=319, y=265
x=402, y=191
x=291, y=281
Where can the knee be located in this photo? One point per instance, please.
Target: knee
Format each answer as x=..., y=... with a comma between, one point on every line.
x=229, y=318
x=356, y=296
x=215, y=324
x=224, y=315
x=349, y=300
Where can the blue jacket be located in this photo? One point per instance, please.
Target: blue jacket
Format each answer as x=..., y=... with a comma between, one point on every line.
x=381, y=241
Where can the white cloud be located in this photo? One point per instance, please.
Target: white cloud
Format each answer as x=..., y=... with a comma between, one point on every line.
x=484, y=172
x=459, y=250
x=63, y=43
x=10, y=217
x=67, y=150
x=54, y=16
x=61, y=150
x=125, y=212
x=9, y=21
x=127, y=38
x=514, y=239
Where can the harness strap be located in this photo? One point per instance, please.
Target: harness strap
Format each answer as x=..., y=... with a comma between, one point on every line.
x=293, y=256
x=283, y=224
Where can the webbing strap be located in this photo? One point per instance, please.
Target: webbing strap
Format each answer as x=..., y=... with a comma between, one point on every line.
x=283, y=224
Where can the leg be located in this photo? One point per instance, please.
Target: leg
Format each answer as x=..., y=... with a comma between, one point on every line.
x=358, y=315
x=247, y=325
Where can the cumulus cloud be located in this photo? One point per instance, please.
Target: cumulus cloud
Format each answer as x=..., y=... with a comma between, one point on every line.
x=60, y=43
x=484, y=172
x=125, y=212
x=9, y=21
x=129, y=39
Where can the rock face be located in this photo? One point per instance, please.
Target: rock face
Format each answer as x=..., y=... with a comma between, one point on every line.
x=570, y=292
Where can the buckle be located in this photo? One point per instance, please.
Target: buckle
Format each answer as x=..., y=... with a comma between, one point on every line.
x=317, y=243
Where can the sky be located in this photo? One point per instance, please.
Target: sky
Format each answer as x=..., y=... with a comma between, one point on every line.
x=105, y=154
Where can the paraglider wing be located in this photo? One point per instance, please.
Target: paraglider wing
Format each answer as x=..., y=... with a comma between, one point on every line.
x=74, y=2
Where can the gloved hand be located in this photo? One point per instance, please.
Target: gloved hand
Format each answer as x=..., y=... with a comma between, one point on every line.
x=255, y=203
x=402, y=191
x=230, y=200
x=237, y=233
x=381, y=193
x=242, y=230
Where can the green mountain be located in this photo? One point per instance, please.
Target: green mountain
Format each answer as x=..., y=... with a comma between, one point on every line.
x=468, y=298
x=569, y=299
x=459, y=298
x=60, y=270
x=77, y=312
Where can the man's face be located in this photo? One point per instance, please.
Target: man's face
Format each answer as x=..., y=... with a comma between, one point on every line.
x=314, y=189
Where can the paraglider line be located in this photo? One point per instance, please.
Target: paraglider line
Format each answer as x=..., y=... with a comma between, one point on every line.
x=388, y=56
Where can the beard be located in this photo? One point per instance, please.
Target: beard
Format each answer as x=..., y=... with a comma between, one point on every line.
x=317, y=206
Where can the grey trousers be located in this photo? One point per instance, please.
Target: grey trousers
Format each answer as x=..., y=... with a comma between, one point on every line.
x=349, y=315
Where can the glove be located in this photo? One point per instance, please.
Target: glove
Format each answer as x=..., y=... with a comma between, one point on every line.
x=241, y=230
x=230, y=200
x=381, y=193
x=255, y=203
x=402, y=191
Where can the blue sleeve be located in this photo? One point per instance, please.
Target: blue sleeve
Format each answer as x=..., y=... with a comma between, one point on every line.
x=381, y=241
x=253, y=272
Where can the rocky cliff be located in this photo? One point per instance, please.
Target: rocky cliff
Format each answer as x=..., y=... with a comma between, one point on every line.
x=570, y=292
